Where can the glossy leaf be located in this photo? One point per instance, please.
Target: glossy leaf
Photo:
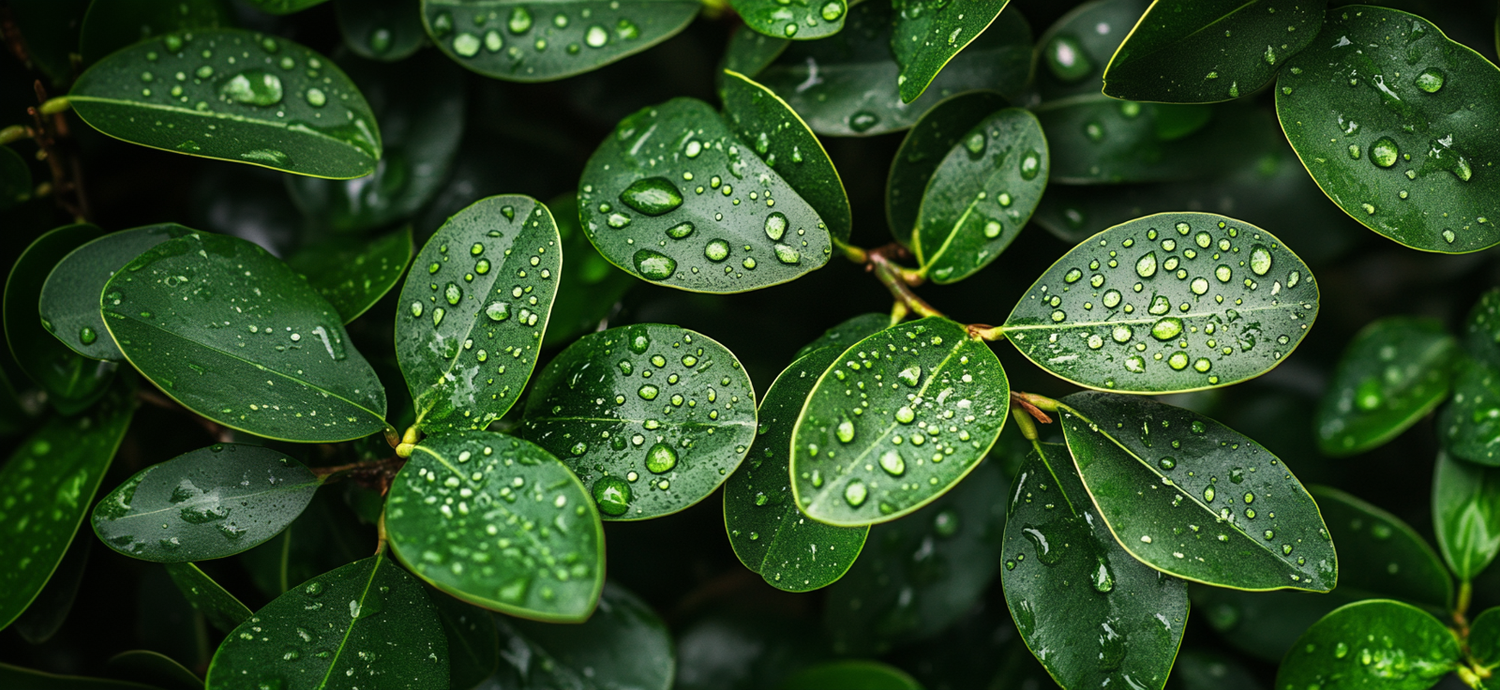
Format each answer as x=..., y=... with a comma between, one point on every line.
x=1385, y=112
x=1380, y=555
x=1392, y=374
x=473, y=641
x=1482, y=329
x=928, y=35
x=327, y=535
x=1470, y=425
x=1406, y=647
x=1217, y=508
x=653, y=418
x=1203, y=52
x=275, y=362
x=142, y=666
x=1466, y=514
x=277, y=105
x=505, y=40
x=590, y=287
x=860, y=452
x=769, y=534
x=368, y=622
x=925, y=148
x=1100, y=140
x=15, y=179
x=847, y=333
x=1091, y=613
x=218, y=606
x=473, y=311
x=851, y=675
x=801, y=21
x=499, y=523
x=668, y=199
x=110, y=26
x=386, y=30
x=31, y=679
x=1170, y=302
x=1075, y=50
x=981, y=195
x=749, y=52
x=1484, y=638
x=284, y=6
x=45, y=489
x=354, y=276
x=622, y=645
x=69, y=301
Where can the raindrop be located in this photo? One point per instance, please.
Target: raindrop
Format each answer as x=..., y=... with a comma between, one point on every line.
x=855, y=493
x=863, y=121
x=648, y=392
x=1145, y=267
x=945, y=523
x=716, y=251
x=1031, y=164
x=905, y=415
x=893, y=463
x=1067, y=60
x=1111, y=648
x=253, y=87
x=680, y=231
x=1260, y=259
x=87, y=336
x=466, y=44
x=776, y=226
x=612, y=495
x=1430, y=80
x=832, y=11
x=520, y=20
x=1103, y=579
x=652, y=196
x=1166, y=463
x=661, y=458
x=845, y=431
x=654, y=265
x=497, y=311
x=596, y=36
x=1208, y=494
x=1044, y=551
x=911, y=375
x=785, y=254
x=975, y=144
x=1167, y=328
x=1384, y=152
x=453, y=293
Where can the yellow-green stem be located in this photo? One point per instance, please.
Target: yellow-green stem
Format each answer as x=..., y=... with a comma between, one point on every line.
x=56, y=105
x=1023, y=421
x=14, y=133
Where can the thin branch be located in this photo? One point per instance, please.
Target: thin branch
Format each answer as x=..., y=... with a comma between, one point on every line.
x=899, y=281
x=1023, y=400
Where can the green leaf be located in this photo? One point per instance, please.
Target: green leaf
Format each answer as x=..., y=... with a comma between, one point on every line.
x=861, y=453
x=157, y=669
x=1094, y=139
x=235, y=335
x=110, y=26
x=45, y=616
x=45, y=489
x=1263, y=624
x=69, y=301
x=1202, y=52
x=284, y=6
x=707, y=233
x=981, y=195
x=468, y=333
x=1199, y=670
x=17, y=677
x=1372, y=645
x=928, y=35
x=1383, y=111
x=327, y=535
x=851, y=675
x=15, y=179
x=219, y=607
x=919, y=575
x=1470, y=425
x=591, y=286
x=1392, y=374
x=846, y=85
x=925, y=148
x=277, y=105
x=1076, y=49
x=768, y=533
x=653, y=418
x=847, y=333
x=806, y=20
x=473, y=641
x=622, y=645
x=1194, y=498
x=72, y=382
x=353, y=276
x=368, y=621
x=386, y=30
x=1170, y=323
x=1484, y=638
x=505, y=40
x=499, y=523
x=1381, y=555
x=1091, y=613
x=725, y=650
x=209, y=503
x=749, y=52
x=1482, y=329
x=1466, y=514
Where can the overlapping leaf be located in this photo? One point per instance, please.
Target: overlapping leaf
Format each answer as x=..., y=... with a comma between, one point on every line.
x=802, y=20
x=851, y=675
x=110, y=26
x=1380, y=555
x=1394, y=372
x=385, y=30
x=1376, y=644
x=218, y=606
x=622, y=645
x=1466, y=514
x=928, y=35
x=925, y=147
x=354, y=276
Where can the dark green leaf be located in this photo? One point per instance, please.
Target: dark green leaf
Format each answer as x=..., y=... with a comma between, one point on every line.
x=17, y=677
x=142, y=666
x=15, y=179
x=1470, y=425
x=1121, y=628
x=368, y=622
x=770, y=536
x=72, y=382
x=928, y=35
x=386, y=30
x=277, y=105
x=674, y=197
x=114, y=24
x=1484, y=638
x=851, y=675
x=1482, y=329
x=1198, y=670
x=1169, y=323
x=467, y=333
x=725, y=651
x=473, y=641
x=69, y=301
x=324, y=537
x=499, y=523
x=805, y=20
x=847, y=333
x=1196, y=499
x=49, y=610
x=590, y=287
x=353, y=276
x=652, y=418
x=860, y=452
x=1185, y=51
x=919, y=575
x=1466, y=514
x=1075, y=50
x=1095, y=139
x=1392, y=374
x=1380, y=555
x=1371, y=645
x=505, y=40
x=1385, y=112
x=622, y=645
x=235, y=335
x=45, y=489
x=218, y=606
x=749, y=52
x=924, y=149
x=284, y=6
x=1263, y=624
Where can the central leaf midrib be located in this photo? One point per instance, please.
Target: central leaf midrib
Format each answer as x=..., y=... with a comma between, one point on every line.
x=530, y=534
x=339, y=651
x=610, y=420
x=427, y=397
x=1134, y=321
x=196, y=500
x=216, y=116
x=1225, y=16
x=954, y=227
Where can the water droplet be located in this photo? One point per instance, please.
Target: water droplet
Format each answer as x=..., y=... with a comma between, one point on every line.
x=1166, y=463
x=905, y=415
x=855, y=493
x=1384, y=152
x=1208, y=494
x=453, y=293
x=1260, y=259
x=497, y=311
x=1167, y=328
x=520, y=21
x=845, y=431
x=993, y=228
x=596, y=36
x=1103, y=579
x=1112, y=648
x=1223, y=273
x=648, y=392
x=863, y=121
x=466, y=44
x=680, y=231
x=975, y=144
x=1121, y=333
x=776, y=226
x=87, y=335
x=1368, y=396
x=253, y=87
x=1145, y=267
x=1044, y=548
x=661, y=458
x=652, y=196
x=1031, y=165
x=612, y=495
x=785, y=254
x=1430, y=80
x=945, y=523
x=1067, y=60
x=654, y=265
x=893, y=463
x=1073, y=276
x=716, y=251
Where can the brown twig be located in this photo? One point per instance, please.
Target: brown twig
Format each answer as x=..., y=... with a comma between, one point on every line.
x=897, y=279
x=1024, y=400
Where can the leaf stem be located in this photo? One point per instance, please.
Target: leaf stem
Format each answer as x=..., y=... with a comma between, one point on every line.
x=1041, y=402
x=899, y=281
x=1023, y=421
x=1461, y=608
x=1029, y=403
x=984, y=331
x=362, y=467
x=53, y=106
x=14, y=133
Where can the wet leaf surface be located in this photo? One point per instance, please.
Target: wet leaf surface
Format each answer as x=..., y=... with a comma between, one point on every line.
x=1094, y=139
x=1379, y=555
x=1075, y=50
x=924, y=149
x=801, y=21
x=354, y=276
x=622, y=645
x=1466, y=514
x=590, y=288
x=847, y=333
x=1481, y=336
x=929, y=33
x=1375, y=645
x=385, y=30
x=1484, y=638
x=1391, y=375
x=218, y=606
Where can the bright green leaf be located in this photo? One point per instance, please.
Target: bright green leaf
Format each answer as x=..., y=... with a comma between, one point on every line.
x=1371, y=645
x=1167, y=303
x=473, y=641
x=802, y=21
x=218, y=606
x=653, y=418
x=15, y=179
x=235, y=335
x=353, y=276
x=17, y=677
x=1484, y=638
x=590, y=287
x=924, y=150
x=1075, y=50
x=851, y=675
x=142, y=666
x=284, y=6
x=499, y=523
x=622, y=645
x=386, y=30
x=114, y=24
x=928, y=35
x=1387, y=114
x=1466, y=514
x=1380, y=555
x=847, y=333
x=1392, y=374
x=473, y=310
x=1194, y=498
x=277, y=105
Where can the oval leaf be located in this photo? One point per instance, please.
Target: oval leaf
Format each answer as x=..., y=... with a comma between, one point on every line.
x=622, y=645
x=499, y=523
x=385, y=30
x=652, y=418
x=928, y=35
x=1484, y=638
x=260, y=100
x=1466, y=514
x=851, y=675
x=1482, y=329
x=674, y=197
x=1167, y=303
x=505, y=40
x=110, y=26
x=1386, y=113
x=235, y=335
x=846, y=334
x=209, y=503
x=1264, y=624
x=1076, y=49
x=354, y=276
x=1381, y=555
x=1100, y=140
x=368, y=620
x=1393, y=373
x=801, y=21
x=1121, y=628
x=473, y=311
x=1194, y=498
x=218, y=606
x=1406, y=647
x=1470, y=425
x=925, y=148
